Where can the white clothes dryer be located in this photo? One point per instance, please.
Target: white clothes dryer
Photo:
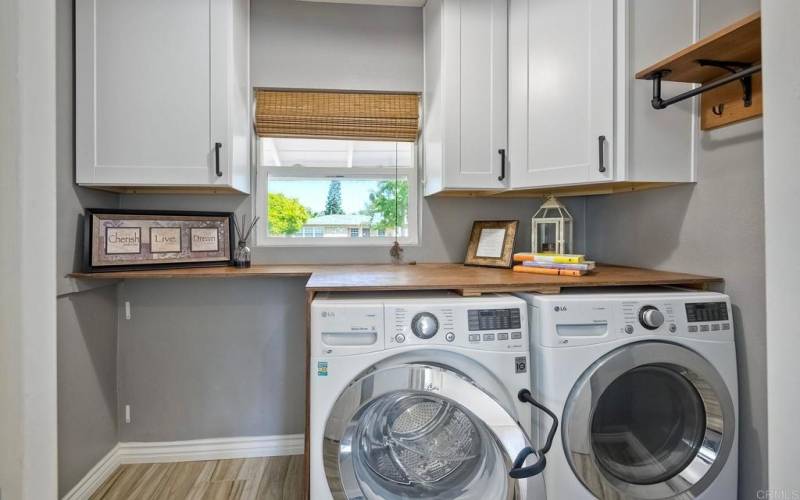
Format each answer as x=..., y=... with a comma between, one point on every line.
x=644, y=382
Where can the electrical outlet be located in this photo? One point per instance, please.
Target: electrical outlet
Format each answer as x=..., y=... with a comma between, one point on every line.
x=127, y=414
x=127, y=310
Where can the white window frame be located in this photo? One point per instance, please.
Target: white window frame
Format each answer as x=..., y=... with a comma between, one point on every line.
x=263, y=239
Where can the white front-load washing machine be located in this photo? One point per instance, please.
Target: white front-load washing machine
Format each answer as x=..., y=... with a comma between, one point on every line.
x=416, y=396
x=644, y=383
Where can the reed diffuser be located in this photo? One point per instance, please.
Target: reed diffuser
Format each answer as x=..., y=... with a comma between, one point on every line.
x=242, y=255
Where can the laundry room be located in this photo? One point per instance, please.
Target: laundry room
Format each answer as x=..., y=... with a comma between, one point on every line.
x=391, y=249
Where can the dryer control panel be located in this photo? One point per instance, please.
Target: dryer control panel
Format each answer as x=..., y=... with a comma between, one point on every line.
x=570, y=320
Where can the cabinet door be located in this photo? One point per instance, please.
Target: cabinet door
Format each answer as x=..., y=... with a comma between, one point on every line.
x=150, y=91
x=476, y=97
x=562, y=81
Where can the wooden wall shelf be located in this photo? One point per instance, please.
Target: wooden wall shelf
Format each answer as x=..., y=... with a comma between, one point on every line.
x=383, y=277
x=738, y=47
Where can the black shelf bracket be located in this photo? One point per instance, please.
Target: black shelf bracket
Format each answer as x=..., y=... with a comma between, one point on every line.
x=739, y=71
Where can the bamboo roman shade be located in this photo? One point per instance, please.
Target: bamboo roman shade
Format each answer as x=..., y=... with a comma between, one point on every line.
x=337, y=115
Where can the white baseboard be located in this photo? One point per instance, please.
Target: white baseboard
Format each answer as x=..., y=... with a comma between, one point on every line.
x=210, y=449
x=185, y=451
x=96, y=476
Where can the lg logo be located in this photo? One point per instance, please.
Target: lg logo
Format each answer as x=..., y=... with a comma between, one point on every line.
x=560, y=308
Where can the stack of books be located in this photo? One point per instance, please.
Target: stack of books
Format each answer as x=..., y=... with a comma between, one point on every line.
x=548, y=263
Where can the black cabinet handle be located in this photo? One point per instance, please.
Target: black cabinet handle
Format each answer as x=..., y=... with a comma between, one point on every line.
x=601, y=148
x=502, y=164
x=217, y=147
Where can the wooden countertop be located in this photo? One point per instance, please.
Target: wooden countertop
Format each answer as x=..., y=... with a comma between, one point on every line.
x=464, y=279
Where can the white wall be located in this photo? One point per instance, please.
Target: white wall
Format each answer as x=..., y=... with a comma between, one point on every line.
x=335, y=46
x=781, y=188
x=27, y=253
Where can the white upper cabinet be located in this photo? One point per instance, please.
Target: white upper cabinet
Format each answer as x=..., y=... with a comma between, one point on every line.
x=576, y=114
x=162, y=94
x=562, y=105
x=466, y=95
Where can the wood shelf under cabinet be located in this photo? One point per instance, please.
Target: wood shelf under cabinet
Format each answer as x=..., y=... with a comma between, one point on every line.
x=560, y=191
x=740, y=43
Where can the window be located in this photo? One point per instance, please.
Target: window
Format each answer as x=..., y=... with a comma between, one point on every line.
x=333, y=191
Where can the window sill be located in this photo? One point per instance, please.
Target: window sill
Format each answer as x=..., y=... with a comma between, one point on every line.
x=333, y=243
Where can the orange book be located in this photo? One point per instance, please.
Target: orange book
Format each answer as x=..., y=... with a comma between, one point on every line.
x=544, y=270
x=523, y=257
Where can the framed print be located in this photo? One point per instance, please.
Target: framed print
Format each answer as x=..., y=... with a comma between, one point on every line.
x=125, y=240
x=491, y=243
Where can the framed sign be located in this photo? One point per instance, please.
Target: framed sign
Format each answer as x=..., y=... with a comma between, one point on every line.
x=126, y=240
x=491, y=243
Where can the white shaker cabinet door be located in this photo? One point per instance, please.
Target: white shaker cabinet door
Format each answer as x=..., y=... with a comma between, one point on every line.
x=151, y=92
x=477, y=104
x=562, y=92
x=466, y=95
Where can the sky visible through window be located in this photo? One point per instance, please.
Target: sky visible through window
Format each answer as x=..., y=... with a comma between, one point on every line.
x=312, y=193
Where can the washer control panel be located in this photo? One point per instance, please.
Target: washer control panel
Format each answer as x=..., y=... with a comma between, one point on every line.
x=486, y=328
x=346, y=324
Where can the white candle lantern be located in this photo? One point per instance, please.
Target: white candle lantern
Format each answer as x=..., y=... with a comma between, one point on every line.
x=551, y=228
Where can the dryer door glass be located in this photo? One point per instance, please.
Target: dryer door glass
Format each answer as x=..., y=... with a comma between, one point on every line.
x=649, y=420
x=425, y=432
x=648, y=425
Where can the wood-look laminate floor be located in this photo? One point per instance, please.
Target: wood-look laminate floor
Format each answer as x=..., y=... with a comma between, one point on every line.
x=272, y=478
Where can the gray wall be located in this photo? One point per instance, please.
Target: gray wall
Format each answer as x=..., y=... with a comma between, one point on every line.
x=221, y=358
x=12, y=414
x=87, y=353
x=211, y=359
x=335, y=46
x=87, y=382
x=715, y=227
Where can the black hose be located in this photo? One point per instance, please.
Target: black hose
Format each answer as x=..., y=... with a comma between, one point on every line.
x=517, y=470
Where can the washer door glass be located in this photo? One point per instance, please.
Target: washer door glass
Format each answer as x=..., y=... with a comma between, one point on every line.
x=416, y=444
x=648, y=425
x=423, y=432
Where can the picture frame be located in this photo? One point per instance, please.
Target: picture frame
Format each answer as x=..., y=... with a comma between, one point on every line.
x=491, y=243
x=130, y=240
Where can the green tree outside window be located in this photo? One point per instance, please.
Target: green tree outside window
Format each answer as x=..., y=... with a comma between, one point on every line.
x=388, y=205
x=333, y=205
x=285, y=215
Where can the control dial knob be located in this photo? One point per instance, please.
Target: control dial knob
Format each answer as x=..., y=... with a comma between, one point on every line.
x=650, y=317
x=424, y=325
